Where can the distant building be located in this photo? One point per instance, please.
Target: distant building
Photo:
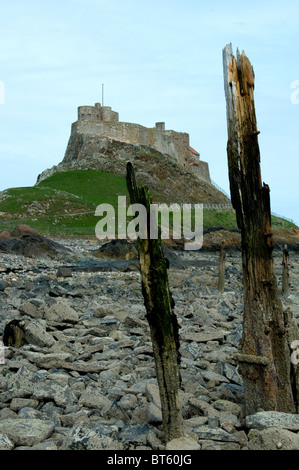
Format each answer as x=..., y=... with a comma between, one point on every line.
x=101, y=121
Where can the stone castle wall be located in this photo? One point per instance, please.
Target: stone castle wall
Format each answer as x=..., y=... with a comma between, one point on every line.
x=97, y=113
x=101, y=121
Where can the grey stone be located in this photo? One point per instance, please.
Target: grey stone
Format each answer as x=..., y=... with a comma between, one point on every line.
x=6, y=413
x=202, y=407
x=30, y=413
x=216, y=434
x=65, y=396
x=210, y=375
x=117, y=412
x=153, y=394
x=218, y=445
x=61, y=311
x=46, y=445
x=204, y=336
x=191, y=351
x=154, y=414
x=128, y=402
x=51, y=412
x=26, y=432
x=183, y=443
x=154, y=441
x=22, y=381
x=5, y=442
x=33, y=308
x=195, y=421
x=266, y=419
x=18, y=403
x=64, y=271
x=273, y=438
x=103, y=443
x=82, y=366
x=47, y=361
x=231, y=373
x=135, y=434
x=228, y=406
x=3, y=286
x=83, y=436
x=132, y=321
x=61, y=395
x=93, y=398
x=45, y=391
x=35, y=333
x=68, y=420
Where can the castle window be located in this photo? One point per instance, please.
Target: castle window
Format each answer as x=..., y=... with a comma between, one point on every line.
x=82, y=116
x=89, y=115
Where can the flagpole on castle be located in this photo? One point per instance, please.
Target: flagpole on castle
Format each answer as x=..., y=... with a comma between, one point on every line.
x=102, y=94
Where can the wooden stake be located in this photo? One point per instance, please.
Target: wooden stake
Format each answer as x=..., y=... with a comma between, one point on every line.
x=162, y=320
x=267, y=385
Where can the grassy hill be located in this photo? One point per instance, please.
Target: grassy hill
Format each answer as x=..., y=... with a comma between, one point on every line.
x=65, y=203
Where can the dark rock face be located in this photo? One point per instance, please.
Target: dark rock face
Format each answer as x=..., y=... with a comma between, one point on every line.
x=152, y=167
x=117, y=249
x=33, y=246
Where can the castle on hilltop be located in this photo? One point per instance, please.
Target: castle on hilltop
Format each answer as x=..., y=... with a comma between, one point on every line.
x=100, y=121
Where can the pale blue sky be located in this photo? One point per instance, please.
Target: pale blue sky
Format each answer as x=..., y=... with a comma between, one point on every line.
x=160, y=60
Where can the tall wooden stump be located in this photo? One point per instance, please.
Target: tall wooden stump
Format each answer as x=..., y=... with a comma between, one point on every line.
x=264, y=354
x=162, y=320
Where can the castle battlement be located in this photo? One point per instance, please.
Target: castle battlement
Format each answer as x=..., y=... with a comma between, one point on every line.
x=102, y=122
x=97, y=113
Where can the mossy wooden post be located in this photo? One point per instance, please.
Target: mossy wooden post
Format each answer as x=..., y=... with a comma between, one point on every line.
x=161, y=318
x=221, y=275
x=264, y=356
x=285, y=271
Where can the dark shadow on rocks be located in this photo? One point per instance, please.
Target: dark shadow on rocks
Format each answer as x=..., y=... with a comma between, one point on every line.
x=117, y=249
x=34, y=246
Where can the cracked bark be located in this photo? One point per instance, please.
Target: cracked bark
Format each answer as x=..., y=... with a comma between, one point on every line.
x=267, y=382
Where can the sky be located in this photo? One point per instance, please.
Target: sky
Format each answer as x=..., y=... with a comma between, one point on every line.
x=159, y=60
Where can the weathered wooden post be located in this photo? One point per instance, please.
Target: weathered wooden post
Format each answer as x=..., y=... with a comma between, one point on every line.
x=285, y=271
x=221, y=275
x=163, y=323
x=264, y=354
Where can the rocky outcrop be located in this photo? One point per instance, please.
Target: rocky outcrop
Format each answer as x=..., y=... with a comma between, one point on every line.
x=34, y=246
x=153, y=169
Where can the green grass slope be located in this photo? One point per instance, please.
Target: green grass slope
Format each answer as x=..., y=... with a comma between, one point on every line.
x=65, y=203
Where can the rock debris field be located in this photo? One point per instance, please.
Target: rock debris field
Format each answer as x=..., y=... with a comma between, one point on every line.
x=85, y=377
